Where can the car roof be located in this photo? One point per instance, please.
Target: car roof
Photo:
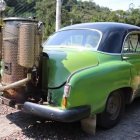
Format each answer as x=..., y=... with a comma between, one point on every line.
x=103, y=26
x=113, y=34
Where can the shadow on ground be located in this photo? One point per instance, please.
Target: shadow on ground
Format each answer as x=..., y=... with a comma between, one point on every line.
x=37, y=128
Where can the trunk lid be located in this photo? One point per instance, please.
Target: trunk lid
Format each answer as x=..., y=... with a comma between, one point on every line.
x=63, y=62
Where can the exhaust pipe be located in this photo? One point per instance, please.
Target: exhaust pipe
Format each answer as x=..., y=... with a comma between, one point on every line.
x=16, y=84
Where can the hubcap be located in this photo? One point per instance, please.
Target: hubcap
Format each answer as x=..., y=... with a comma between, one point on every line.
x=114, y=106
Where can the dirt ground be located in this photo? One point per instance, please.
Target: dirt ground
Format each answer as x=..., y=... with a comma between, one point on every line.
x=14, y=125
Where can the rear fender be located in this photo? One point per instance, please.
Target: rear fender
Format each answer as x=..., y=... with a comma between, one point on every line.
x=92, y=86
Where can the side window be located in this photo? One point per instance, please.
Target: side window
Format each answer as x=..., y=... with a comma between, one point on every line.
x=132, y=43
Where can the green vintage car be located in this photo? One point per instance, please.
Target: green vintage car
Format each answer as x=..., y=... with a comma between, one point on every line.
x=90, y=69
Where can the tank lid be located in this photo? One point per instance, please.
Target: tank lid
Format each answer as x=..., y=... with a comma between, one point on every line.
x=19, y=19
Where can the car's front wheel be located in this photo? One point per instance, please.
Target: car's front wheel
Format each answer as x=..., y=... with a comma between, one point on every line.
x=113, y=112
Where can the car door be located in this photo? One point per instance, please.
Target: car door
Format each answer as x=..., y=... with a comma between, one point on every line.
x=131, y=54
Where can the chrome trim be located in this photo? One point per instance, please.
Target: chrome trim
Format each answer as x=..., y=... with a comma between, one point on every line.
x=77, y=71
x=108, y=53
x=135, y=53
x=11, y=19
x=117, y=54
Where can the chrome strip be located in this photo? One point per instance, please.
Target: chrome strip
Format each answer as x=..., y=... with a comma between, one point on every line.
x=108, y=53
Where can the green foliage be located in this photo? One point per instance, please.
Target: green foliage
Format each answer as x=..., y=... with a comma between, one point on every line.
x=46, y=13
x=73, y=11
x=23, y=8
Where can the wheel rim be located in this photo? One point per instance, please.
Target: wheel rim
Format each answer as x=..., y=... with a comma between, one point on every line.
x=114, y=106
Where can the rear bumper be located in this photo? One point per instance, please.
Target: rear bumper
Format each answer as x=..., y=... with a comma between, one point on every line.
x=68, y=115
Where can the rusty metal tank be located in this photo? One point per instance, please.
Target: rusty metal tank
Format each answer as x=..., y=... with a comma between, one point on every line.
x=19, y=50
x=29, y=45
x=13, y=71
x=0, y=42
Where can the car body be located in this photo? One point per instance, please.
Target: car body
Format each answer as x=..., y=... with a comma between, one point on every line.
x=90, y=69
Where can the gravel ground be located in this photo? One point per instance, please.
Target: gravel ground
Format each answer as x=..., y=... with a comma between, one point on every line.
x=14, y=125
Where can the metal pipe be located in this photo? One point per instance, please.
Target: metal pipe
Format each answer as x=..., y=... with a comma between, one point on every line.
x=58, y=14
x=16, y=84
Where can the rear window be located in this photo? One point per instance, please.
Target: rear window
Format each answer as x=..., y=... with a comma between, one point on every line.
x=74, y=38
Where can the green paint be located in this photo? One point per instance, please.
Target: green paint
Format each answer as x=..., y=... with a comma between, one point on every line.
x=94, y=75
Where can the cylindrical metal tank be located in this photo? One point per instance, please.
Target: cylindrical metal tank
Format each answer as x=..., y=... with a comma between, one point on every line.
x=30, y=39
x=38, y=48
x=12, y=70
x=20, y=52
x=0, y=43
x=26, y=50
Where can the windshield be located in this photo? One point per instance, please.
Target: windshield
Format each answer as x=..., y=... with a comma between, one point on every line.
x=74, y=38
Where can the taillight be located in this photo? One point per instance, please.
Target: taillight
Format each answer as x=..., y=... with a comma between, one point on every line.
x=64, y=102
x=66, y=94
x=67, y=89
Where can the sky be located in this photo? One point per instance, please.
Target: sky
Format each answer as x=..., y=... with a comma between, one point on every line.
x=118, y=4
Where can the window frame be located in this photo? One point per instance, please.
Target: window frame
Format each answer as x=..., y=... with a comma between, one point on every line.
x=130, y=33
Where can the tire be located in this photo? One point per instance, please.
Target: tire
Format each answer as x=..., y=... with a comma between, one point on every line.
x=114, y=110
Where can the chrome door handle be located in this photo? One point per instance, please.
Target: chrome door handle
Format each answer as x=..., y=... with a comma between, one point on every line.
x=125, y=57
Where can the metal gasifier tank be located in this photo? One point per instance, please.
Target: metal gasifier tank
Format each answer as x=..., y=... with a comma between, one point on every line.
x=20, y=49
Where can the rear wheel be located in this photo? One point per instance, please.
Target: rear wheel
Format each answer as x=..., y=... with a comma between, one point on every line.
x=113, y=112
